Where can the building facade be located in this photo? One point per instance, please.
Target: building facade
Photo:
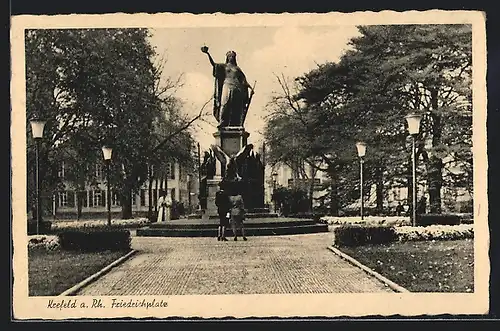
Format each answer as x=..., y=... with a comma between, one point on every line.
x=453, y=199
x=177, y=182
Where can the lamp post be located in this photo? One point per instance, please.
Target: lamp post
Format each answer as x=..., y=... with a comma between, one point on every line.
x=361, y=147
x=107, y=151
x=413, y=121
x=189, y=192
x=275, y=176
x=37, y=127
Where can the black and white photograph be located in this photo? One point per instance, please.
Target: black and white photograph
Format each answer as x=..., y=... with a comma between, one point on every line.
x=235, y=165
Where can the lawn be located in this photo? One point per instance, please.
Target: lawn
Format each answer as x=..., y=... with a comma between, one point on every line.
x=53, y=272
x=422, y=266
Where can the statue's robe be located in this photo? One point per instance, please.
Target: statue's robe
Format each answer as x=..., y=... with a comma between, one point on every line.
x=230, y=95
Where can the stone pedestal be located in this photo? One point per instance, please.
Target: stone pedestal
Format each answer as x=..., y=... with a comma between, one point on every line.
x=231, y=140
x=213, y=187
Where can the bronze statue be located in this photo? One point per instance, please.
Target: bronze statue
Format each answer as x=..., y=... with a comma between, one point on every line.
x=208, y=166
x=231, y=167
x=231, y=97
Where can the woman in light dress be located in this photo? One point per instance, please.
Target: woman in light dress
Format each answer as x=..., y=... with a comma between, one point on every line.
x=164, y=203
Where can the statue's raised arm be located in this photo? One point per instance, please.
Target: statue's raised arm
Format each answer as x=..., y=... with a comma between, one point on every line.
x=204, y=49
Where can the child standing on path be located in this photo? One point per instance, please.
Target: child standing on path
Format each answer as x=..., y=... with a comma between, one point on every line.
x=237, y=216
x=223, y=205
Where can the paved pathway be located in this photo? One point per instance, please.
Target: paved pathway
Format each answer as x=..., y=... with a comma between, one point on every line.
x=261, y=265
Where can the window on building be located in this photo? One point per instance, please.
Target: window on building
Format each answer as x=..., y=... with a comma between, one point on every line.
x=63, y=199
x=60, y=173
x=98, y=172
x=85, y=198
x=70, y=198
x=115, y=198
x=167, y=170
x=397, y=193
x=171, y=170
x=143, y=197
x=172, y=194
x=97, y=198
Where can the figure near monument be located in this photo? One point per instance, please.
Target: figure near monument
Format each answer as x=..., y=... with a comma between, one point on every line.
x=231, y=96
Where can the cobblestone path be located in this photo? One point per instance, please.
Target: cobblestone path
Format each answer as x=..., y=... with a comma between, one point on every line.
x=261, y=265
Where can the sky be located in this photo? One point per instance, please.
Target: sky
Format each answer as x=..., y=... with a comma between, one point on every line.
x=262, y=53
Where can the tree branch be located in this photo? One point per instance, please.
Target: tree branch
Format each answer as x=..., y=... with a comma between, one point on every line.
x=182, y=128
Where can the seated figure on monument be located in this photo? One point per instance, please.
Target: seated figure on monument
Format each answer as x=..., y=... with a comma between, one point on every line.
x=208, y=166
x=231, y=97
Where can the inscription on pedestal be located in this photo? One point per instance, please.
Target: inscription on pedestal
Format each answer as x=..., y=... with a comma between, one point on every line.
x=231, y=139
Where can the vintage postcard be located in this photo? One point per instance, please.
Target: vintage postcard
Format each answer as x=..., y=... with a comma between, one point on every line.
x=249, y=165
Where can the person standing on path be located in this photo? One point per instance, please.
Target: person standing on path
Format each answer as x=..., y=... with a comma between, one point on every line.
x=223, y=205
x=237, y=216
x=399, y=209
x=164, y=203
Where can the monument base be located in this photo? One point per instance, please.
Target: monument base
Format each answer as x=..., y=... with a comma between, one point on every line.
x=213, y=187
x=231, y=139
x=253, y=227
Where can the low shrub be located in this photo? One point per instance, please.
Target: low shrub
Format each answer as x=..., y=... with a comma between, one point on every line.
x=44, y=227
x=466, y=218
x=99, y=224
x=435, y=219
x=435, y=232
x=95, y=240
x=45, y=242
x=357, y=235
x=368, y=220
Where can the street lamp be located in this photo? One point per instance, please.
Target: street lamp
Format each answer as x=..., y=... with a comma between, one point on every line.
x=361, y=147
x=107, y=151
x=189, y=192
x=413, y=121
x=275, y=176
x=37, y=127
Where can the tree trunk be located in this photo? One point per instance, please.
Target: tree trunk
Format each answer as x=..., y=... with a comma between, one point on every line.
x=156, y=194
x=127, y=204
x=79, y=197
x=334, y=197
x=162, y=182
x=435, y=164
x=435, y=182
x=150, y=193
x=79, y=203
x=311, y=195
x=379, y=177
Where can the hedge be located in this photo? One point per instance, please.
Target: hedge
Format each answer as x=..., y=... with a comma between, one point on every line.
x=435, y=232
x=83, y=225
x=355, y=235
x=44, y=227
x=368, y=220
x=95, y=240
x=437, y=219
